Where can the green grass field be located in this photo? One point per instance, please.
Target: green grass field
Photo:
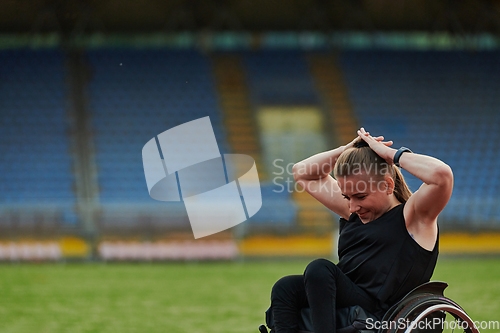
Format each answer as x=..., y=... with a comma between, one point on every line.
x=185, y=297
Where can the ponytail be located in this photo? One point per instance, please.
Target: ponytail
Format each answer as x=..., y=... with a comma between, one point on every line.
x=401, y=189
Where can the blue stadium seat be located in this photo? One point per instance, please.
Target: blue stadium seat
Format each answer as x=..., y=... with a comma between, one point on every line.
x=151, y=92
x=33, y=122
x=279, y=77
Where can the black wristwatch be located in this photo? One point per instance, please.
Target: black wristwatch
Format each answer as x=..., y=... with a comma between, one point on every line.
x=398, y=154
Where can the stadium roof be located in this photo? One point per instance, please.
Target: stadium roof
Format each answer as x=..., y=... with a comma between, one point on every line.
x=132, y=16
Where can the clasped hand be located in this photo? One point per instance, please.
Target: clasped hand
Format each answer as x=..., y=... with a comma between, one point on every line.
x=377, y=144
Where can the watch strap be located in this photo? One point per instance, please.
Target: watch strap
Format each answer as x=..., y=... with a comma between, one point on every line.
x=398, y=154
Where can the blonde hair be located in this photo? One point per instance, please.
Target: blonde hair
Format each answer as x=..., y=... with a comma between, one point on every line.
x=361, y=158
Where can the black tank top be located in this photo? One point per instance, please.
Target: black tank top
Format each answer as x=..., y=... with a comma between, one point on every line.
x=383, y=258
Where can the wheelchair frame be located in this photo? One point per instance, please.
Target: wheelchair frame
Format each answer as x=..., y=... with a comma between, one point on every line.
x=426, y=301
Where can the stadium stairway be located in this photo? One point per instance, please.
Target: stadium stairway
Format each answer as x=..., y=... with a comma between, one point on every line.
x=330, y=85
x=312, y=215
x=334, y=96
x=239, y=121
x=280, y=84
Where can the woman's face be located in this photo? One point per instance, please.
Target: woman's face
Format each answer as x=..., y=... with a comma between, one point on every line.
x=368, y=196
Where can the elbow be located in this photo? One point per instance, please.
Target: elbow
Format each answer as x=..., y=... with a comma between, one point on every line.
x=443, y=175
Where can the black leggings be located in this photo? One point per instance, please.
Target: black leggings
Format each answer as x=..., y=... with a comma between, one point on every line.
x=323, y=288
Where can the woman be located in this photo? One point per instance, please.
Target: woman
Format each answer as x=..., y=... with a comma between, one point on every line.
x=388, y=240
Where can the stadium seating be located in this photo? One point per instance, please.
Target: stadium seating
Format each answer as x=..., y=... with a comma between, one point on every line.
x=278, y=209
x=279, y=78
x=36, y=164
x=136, y=95
x=445, y=104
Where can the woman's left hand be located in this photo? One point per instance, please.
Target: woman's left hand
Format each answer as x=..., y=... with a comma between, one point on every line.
x=382, y=149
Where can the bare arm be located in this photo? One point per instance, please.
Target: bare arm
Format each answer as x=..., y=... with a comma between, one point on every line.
x=313, y=174
x=423, y=207
x=431, y=198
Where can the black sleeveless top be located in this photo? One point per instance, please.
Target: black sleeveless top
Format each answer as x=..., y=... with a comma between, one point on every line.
x=382, y=258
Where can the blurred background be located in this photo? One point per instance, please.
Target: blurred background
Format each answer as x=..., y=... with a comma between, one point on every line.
x=85, y=84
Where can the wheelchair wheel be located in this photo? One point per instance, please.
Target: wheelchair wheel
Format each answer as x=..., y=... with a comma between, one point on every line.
x=431, y=314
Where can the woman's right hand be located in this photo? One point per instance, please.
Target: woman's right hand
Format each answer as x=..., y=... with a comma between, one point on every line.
x=378, y=138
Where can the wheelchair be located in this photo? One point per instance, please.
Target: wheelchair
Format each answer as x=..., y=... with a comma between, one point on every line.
x=425, y=309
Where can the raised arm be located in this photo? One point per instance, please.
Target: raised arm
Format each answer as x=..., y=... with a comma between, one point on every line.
x=431, y=198
x=423, y=207
x=313, y=174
